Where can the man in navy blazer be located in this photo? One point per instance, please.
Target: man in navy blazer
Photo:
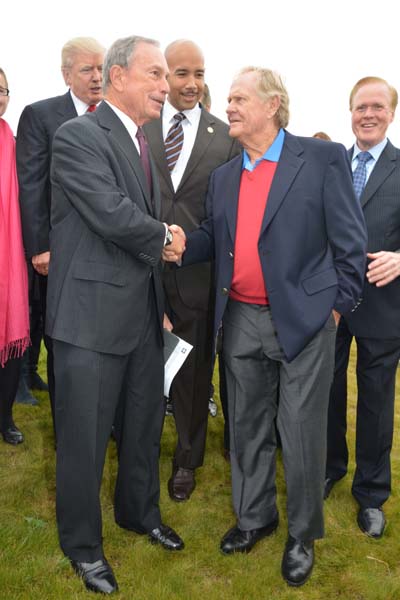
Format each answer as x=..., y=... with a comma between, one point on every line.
x=376, y=325
x=81, y=66
x=289, y=243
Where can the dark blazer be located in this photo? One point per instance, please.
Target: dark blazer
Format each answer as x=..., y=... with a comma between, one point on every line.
x=36, y=128
x=106, y=243
x=378, y=315
x=312, y=242
x=186, y=206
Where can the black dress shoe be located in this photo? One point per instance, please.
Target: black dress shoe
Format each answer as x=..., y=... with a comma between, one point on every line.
x=166, y=537
x=297, y=561
x=12, y=435
x=181, y=484
x=371, y=521
x=328, y=485
x=97, y=576
x=36, y=383
x=238, y=540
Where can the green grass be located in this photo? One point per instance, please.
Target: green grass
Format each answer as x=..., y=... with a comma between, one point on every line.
x=349, y=566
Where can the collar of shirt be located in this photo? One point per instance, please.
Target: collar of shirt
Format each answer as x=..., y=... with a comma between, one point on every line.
x=192, y=117
x=80, y=106
x=375, y=152
x=272, y=154
x=127, y=121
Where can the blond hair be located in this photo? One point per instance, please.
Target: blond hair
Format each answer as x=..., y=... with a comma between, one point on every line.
x=367, y=80
x=78, y=45
x=269, y=84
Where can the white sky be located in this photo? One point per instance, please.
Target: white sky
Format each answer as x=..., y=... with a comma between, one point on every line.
x=314, y=45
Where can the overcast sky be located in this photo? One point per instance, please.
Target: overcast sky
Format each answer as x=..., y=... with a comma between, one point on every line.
x=320, y=49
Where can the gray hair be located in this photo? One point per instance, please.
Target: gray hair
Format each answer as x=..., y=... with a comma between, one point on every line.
x=269, y=84
x=79, y=45
x=121, y=53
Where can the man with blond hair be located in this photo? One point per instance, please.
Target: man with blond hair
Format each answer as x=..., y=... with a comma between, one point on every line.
x=376, y=325
x=81, y=67
x=289, y=243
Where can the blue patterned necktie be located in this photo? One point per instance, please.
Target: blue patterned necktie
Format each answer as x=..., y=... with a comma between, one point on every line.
x=360, y=173
x=174, y=141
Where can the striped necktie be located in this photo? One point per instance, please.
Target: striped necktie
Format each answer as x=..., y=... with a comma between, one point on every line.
x=360, y=173
x=174, y=141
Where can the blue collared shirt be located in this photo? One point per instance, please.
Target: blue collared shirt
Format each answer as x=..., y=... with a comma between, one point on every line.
x=272, y=154
x=375, y=152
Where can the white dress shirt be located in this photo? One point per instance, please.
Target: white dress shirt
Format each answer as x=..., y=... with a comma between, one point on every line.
x=190, y=126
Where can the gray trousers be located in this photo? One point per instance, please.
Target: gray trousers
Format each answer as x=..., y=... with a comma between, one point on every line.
x=261, y=386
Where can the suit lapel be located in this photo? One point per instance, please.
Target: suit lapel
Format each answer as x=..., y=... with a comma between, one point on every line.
x=231, y=192
x=66, y=109
x=108, y=120
x=154, y=135
x=289, y=165
x=204, y=137
x=383, y=168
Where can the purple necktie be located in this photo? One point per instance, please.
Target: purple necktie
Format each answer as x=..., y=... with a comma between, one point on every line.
x=144, y=157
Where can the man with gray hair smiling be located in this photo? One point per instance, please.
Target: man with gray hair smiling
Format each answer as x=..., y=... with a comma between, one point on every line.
x=289, y=241
x=105, y=310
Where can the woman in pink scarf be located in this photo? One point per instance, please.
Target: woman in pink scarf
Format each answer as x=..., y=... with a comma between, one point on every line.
x=14, y=311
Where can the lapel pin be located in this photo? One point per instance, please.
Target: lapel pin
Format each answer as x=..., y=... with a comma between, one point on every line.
x=210, y=130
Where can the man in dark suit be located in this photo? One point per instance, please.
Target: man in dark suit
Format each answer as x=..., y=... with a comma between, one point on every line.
x=204, y=143
x=105, y=309
x=81, y=66
x=289, y=243
x=376, y=325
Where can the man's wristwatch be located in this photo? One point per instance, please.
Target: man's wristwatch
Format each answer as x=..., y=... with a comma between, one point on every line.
x=169, y=236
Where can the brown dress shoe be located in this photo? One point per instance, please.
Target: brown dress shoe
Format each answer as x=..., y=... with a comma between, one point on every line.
x=181, y=484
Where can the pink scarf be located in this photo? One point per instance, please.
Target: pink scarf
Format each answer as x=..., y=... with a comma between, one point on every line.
x=14, y=309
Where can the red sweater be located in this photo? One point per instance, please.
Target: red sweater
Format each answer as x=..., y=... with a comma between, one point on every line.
x=248, y=283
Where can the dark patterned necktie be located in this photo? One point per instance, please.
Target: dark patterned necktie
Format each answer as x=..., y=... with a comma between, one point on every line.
x=91, y=108
x=144, y=157
x=174, y=141
x=360, y=173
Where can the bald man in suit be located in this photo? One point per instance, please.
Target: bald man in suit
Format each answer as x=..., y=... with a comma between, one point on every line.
x=184, y=181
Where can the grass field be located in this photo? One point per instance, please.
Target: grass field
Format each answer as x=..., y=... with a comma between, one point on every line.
x=349, y=566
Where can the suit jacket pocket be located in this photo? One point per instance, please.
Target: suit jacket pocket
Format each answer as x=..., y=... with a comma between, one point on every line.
x=320, y=281
x=93, y=271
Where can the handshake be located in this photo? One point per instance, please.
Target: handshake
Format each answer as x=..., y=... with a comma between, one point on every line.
x=173, y=251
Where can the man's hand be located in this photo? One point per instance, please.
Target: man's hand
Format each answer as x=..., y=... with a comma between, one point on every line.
x=383, y=268
x=336, y=316
x=40, y=263
x=167, y=323
x=173, y=252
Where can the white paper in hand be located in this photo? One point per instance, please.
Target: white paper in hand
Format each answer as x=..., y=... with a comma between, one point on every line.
x=176, y=351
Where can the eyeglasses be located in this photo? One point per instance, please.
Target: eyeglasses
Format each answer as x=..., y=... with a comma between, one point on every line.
x=4, y=91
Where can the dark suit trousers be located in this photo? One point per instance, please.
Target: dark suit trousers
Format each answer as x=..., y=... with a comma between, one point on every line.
x=257, y=374
x=49, y=347
x=377, y=361
x=89, y=387
x=190, y=389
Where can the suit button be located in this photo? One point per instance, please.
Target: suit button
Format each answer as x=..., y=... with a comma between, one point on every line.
x=225, y=291
x=230, y=254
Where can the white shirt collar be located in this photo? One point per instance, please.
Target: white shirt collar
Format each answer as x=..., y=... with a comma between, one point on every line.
x=80, y=106
x=127, y=121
